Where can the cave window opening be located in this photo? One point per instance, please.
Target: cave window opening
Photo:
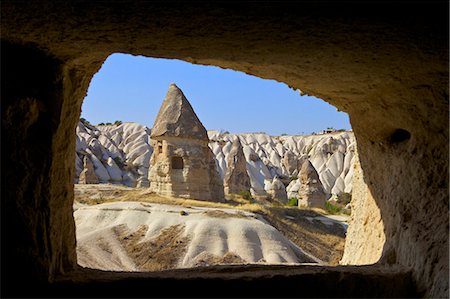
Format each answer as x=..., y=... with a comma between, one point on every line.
x=177, y=163
x=266, y=163
x=160, y=147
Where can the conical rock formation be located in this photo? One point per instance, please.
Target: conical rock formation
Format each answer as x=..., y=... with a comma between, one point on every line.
x=88, y=176
x=176, y=118
x=311, y=193
x=236, y=178
x=182, y=164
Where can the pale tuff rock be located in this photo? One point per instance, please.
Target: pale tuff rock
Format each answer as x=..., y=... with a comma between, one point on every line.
x=120, y=153
x=364, y=243
x=311, y=192
x=176, y=118
x=182, y=164
x=87, y=175
x=236, y=179
x=290, y=162
x=293, y=188
x=266, y=157
x=276, y=190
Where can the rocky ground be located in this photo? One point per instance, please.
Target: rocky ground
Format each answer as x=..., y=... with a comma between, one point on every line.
x=129, y=229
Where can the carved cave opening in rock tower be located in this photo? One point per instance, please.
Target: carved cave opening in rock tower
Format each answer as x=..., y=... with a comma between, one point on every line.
x=286, y=176
x=177, y=163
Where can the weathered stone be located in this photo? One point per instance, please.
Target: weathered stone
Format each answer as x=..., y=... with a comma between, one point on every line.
x=290, y=162
x=236, y=178
x=87, y=175
x=365, y=235
x=386, y=64
x=311, y=193
x=182, y=164
x=276, y=190
x=176, y=118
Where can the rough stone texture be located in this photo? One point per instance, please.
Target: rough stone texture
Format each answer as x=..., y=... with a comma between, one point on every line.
x=182, y=164
x=365, y=234
x=311, y=193
x=176, y=118
x=276, y=190
x=282, y=156
x=385, y=63
x=87, y=175
x=236, y=178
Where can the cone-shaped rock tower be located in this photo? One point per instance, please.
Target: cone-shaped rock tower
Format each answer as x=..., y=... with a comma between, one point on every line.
x=182, y=164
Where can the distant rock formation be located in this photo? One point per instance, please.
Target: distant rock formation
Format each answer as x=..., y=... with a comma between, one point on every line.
x=332, y=155
x=276, y=190
x=236, y=179
x=87, y=175
x=182, y=164
x=266, y=157
x=311, y=192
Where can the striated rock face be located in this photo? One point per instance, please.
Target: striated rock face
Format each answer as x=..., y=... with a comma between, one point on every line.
x=88, y=176
x=365, y=235
x=120, y=154
x=236, y=178
x=182, y=164
x=311, y=192
x=270, y=156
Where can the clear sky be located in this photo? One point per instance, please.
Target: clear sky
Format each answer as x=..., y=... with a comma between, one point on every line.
x=132, y=88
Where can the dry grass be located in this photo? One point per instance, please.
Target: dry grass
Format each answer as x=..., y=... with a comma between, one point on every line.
x=222, y=214
x=227, y=258
x=322, y=241
x=160, y=253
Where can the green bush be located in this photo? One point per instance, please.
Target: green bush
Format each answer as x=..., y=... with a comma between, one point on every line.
x=118, y=122
x=293, y=202
x=85, y=121
x=334, y=209
x=246, y=195
x=101, y=124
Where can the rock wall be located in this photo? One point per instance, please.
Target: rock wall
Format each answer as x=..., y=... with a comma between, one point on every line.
x=365, y=234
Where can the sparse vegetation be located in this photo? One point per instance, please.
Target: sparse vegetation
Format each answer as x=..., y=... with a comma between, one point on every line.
x=118, y=122
x=85, y=121
x=293, y=202
x=246, y=195
x=335, y=209
x=101, y=124
x=323, y=241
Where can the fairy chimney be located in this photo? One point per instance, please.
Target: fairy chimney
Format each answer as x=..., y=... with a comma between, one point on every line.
x=182, y=164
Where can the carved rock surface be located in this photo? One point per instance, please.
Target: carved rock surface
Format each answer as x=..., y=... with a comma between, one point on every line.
x=182, y=164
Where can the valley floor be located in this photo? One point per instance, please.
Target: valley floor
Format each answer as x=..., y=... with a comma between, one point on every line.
x=129, y=229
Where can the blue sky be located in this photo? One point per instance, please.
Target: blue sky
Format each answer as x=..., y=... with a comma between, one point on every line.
x=132, y=88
